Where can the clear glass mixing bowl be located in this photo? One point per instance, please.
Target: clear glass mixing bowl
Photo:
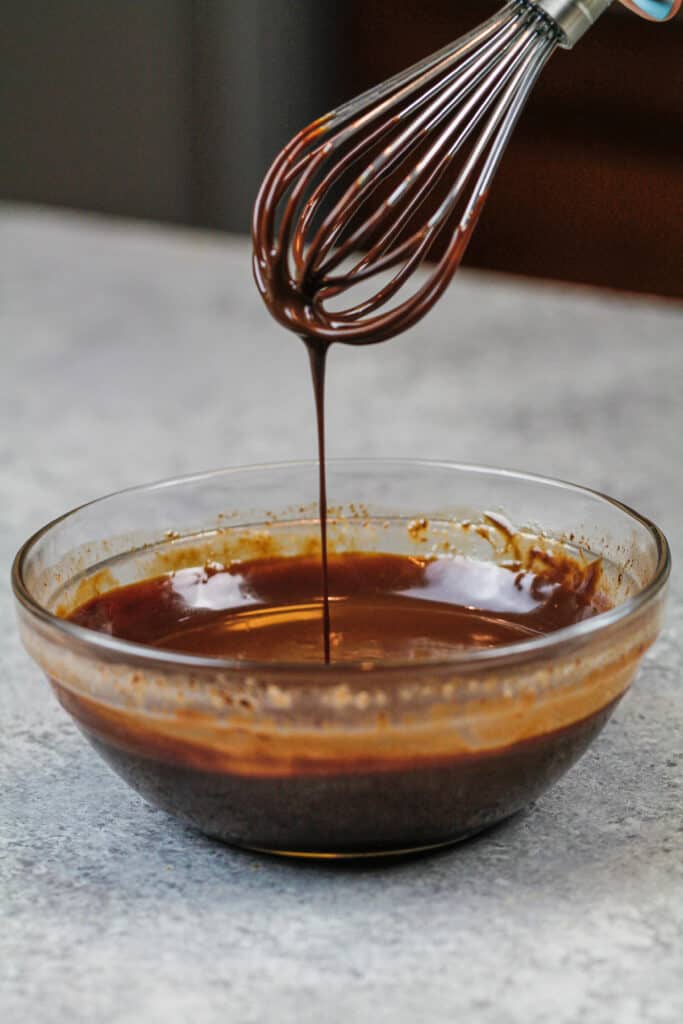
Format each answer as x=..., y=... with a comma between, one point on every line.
x=349, y=759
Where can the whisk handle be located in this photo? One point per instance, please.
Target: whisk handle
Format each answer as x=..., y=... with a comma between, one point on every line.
x=572, y=17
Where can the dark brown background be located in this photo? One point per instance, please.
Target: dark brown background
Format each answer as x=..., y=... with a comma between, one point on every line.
x=134, y=108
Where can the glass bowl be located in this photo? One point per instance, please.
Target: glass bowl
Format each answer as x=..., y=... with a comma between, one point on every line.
x=354, y=758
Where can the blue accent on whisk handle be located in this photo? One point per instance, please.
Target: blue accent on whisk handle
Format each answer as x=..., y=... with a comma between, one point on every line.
x=659, y=9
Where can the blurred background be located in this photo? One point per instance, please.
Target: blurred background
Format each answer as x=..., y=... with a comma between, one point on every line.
x=171, y=110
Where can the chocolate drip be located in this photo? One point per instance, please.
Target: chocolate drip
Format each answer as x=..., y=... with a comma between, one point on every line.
x=317, y=353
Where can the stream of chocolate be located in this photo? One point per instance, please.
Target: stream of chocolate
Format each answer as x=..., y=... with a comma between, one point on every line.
x=317, y=353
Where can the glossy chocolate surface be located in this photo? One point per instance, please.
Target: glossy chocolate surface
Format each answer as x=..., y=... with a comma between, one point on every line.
x=383, y=608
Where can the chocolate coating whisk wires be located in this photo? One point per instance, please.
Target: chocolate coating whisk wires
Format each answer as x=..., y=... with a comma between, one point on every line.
x=354, y=199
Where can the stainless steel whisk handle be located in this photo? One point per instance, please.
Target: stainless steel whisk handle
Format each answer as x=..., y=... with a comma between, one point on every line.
x=572, y=17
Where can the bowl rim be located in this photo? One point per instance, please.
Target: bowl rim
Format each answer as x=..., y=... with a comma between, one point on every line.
x=487, y=657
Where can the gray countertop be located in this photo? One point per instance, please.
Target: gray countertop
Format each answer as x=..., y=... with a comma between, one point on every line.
x=129, y=353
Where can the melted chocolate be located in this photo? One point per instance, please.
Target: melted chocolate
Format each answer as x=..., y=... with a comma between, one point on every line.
x=318, y=358
x=386, y=608
x=336, y=793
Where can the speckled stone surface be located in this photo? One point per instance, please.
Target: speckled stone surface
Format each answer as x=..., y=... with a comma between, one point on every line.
x=129, y=353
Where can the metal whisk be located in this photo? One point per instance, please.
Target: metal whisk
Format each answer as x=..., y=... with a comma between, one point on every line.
x=320, y=229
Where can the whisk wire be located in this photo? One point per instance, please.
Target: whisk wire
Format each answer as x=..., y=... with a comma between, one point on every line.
x=444, y=147
x=410, y=138
x=431, y=64
x=425, y=238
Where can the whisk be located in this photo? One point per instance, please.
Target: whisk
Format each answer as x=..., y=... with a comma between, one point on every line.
x=324, y=227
